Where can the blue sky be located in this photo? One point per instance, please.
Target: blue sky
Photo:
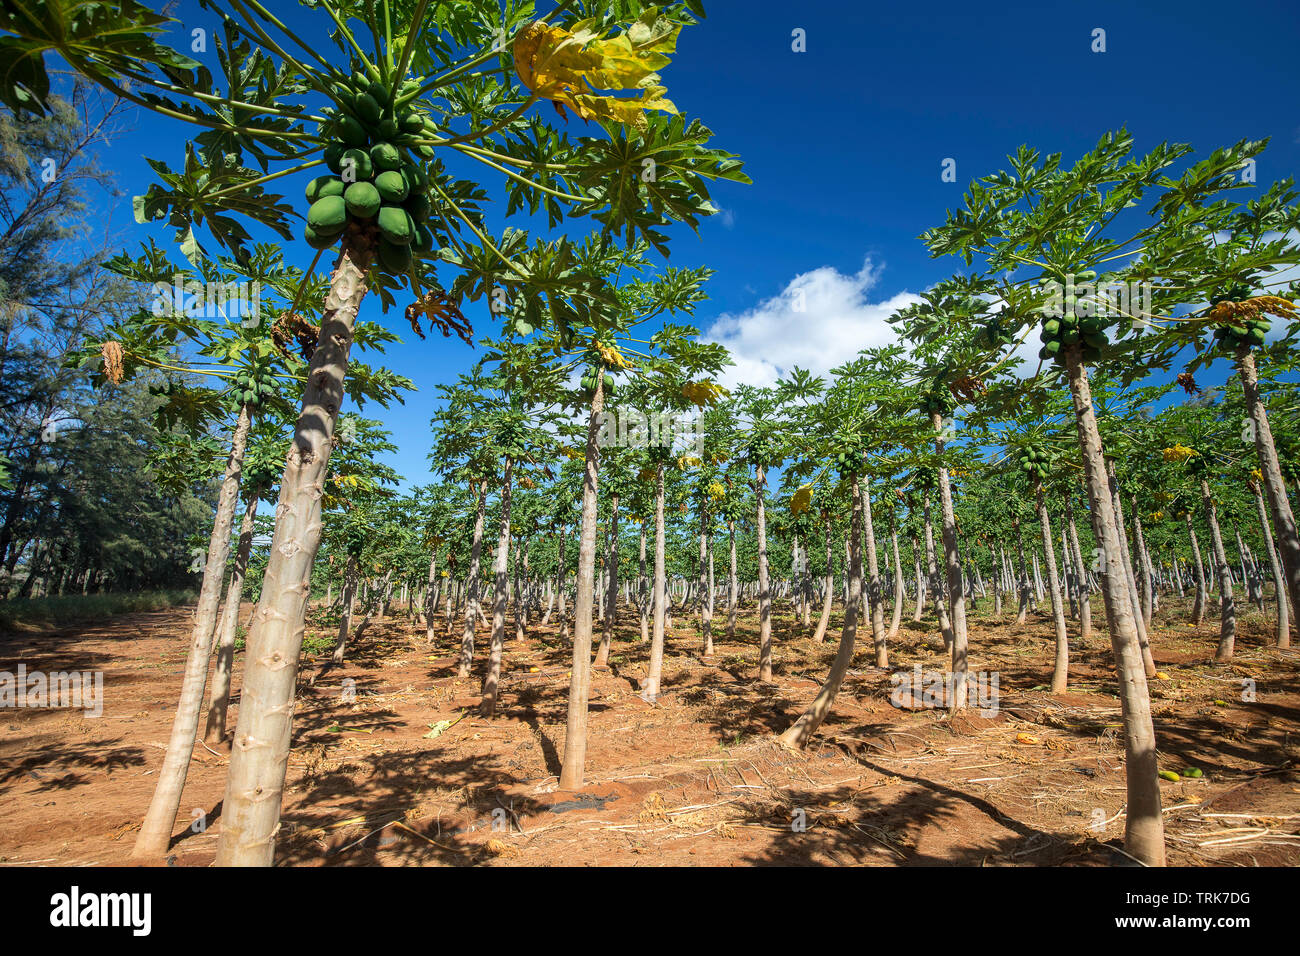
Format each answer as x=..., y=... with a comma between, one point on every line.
x=845, y=144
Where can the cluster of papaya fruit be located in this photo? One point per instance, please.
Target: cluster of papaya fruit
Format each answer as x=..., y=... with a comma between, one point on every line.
x=761, y=451
x=599, y=369
x=937, y=400
x=849, y=459
x=1034, y=463
x=1247, y=331
x=511, y=440
x=253, y=386
x=997, y=334
x=588, y=381
x=379, y=177
x=1069, y=328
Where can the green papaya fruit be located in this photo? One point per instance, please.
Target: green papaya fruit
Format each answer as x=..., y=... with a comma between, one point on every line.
x=318, y=241
x=324, y=186
x=362, y=200
x=388, y=128
x=368, y=109
x=357, y=166
x=327, y=215
x=418, y=205
x=334, y=153
x=422, y=240
x=395, y=225
x=352, y=132
x=386, y=156
x=395, y=258
x=392, y=186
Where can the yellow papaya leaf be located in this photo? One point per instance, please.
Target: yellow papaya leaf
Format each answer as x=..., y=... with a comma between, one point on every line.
x=1026, y=739
x=801, y=500
x=571, y=67
x=702, y=394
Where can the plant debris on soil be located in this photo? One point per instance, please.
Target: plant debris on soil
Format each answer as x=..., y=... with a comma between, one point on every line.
x=696, y=778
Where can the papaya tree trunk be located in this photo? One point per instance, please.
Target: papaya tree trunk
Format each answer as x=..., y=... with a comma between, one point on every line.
x=1202, y=595
x=801, y=731
x=764, y=589
x=156, y=831
x=1227, y=605
x=936, y=586
x=1279, y=575
x=1081, y=572
x=643, y=602
x=260, y=758
x=500, y=597
x=1061, y=669
x=824, y=621
x=900, y=585
x=1284, y=523
x=654, y=673
x=1126, y=556
x=956, y=593
x=219, y=699
x=472, y=582
x=733, y=584
x=874, y=590
x=1143, y=827
x=575, y=737
x=706, y=583
x=349, y=598
x=431, y=594
x=611, y=586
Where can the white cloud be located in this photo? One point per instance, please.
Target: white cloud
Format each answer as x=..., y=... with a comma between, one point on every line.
x=821, y=319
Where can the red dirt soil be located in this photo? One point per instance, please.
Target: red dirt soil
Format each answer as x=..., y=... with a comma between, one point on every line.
x=695, y=779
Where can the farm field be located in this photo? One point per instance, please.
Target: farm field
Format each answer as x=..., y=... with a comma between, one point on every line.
x=695, y=779
x=586, y=434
